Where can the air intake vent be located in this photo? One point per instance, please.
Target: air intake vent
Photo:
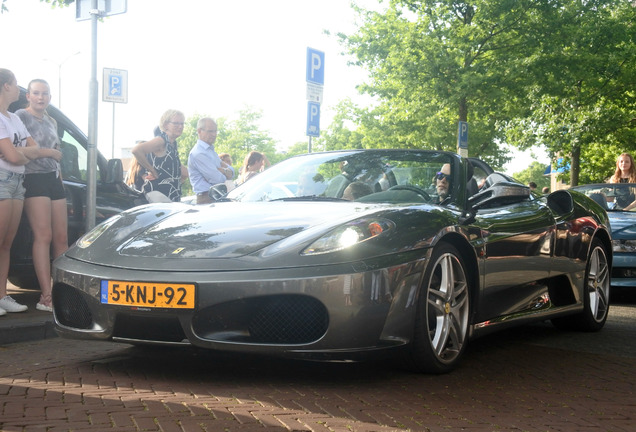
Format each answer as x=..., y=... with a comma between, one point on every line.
x=71, y=310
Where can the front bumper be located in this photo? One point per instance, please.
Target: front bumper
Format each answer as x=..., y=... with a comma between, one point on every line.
x=332, y=312
x=624, y=270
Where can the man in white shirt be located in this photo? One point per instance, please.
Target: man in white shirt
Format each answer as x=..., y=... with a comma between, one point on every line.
x=205, y=167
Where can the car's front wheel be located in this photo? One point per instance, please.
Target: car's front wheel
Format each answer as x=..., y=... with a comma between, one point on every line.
x=596, y=294
x=441, y=325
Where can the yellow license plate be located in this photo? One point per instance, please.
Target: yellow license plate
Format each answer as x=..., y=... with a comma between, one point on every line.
x=148, y=294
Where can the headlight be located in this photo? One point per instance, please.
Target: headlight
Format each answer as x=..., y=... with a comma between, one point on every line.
x=624, y=246
x=348, y=235
x=94, y=234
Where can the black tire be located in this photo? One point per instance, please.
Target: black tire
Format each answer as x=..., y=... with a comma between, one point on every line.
x=596, y=294
x=441, y=326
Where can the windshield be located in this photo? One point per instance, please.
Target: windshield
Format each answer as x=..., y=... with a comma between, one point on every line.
x=368, y=176
x=612, y=196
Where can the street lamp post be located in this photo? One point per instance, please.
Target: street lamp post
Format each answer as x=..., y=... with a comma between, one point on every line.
x=59, y=77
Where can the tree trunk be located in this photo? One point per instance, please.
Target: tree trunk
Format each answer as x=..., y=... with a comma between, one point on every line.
x=575, y=165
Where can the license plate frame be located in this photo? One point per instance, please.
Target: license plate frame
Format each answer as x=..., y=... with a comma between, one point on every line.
x=143, y=294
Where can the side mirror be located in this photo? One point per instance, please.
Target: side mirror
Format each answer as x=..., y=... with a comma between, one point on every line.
x=217, y=191
x=115, y=171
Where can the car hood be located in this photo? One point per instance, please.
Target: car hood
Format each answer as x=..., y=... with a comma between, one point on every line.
x=228, y=235
x=623, y=225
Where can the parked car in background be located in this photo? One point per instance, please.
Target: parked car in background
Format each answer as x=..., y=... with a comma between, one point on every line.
x=430, y=257
x=613, y=198
x=112, y=194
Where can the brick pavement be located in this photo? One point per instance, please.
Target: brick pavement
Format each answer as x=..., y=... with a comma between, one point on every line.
x=530, y=379
x=514, y=382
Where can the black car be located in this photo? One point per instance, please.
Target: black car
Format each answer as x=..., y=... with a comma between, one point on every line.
x=112, y=194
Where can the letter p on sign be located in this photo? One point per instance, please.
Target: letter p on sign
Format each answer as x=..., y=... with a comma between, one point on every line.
x=315, y=66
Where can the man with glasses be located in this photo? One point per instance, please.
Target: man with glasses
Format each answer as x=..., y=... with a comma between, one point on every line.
x=442, y=182
x=205, y=167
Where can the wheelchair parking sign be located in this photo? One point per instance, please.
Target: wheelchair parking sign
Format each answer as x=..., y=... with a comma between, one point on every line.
x=115, y=88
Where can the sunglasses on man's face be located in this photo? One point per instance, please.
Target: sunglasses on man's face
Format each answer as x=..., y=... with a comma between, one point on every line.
x=442, y=176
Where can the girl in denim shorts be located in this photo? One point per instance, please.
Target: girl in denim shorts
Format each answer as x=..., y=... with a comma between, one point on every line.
x=17, y=148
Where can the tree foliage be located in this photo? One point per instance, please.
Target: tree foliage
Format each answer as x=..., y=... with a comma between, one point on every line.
x=236, y=137
x=534, y=173
x=53, y=3
x=582, y=95
x=557, y=73
x=434, y=63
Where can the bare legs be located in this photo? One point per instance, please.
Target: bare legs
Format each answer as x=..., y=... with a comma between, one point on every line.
x=10, y=213
x=48, y=221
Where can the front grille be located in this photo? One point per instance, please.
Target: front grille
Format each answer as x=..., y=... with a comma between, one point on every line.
x=283, y=319
x=71, y=310
x=148, y=328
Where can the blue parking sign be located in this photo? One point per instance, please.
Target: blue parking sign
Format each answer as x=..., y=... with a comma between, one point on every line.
x=313, y=119
x=315, y=66
x=115, y=88
x=462, y=135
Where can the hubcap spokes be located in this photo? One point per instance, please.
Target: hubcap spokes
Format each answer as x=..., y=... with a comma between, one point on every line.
x=598, y=283
x=448, y=308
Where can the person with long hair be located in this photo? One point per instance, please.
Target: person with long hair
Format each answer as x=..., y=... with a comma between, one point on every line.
x=625, y=173
x=17, y=148
x=45, y=197
x=254, y=163
x=160, y=157
x=625, y=170
x=136, y=174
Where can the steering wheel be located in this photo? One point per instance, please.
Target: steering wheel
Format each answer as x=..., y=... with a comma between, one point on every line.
x=415, y=189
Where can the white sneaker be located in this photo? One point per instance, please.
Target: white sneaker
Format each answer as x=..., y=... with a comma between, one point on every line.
x=2, y=312
x=43, y=307
x=10, y=305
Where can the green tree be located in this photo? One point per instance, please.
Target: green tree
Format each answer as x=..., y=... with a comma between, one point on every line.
x=434, y=63
x=53, y=3
x=582, y=95
x=235, y=137
x=534, y=173
x=244, y=135
x=523, y=72
x=344, y=131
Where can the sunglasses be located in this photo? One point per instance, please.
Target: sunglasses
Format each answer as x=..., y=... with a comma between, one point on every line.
x=442, y=176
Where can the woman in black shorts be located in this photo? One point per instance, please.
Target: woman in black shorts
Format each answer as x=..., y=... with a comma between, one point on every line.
x=45, y=198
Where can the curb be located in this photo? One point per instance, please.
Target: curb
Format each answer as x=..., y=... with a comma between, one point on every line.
x=27, y=326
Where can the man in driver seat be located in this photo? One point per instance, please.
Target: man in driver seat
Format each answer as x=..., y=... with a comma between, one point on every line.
x=442, y=182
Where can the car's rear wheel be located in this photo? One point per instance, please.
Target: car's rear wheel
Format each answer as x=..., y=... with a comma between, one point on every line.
x=596, y=294
x=441, y=325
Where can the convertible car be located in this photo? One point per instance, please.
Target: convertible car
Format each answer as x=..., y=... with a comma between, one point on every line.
x=615, y=198
x=403, y=253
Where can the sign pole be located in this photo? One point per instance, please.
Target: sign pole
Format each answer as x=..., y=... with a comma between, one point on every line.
x=112, y=154
x=91, y=168
x=84, y=10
